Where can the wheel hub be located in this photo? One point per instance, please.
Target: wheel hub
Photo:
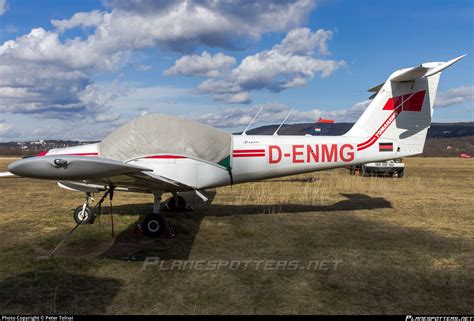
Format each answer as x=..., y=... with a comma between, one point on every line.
x=82, y=216
x=153, y=225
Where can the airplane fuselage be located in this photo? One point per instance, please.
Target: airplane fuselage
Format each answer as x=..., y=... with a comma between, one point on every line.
x=252, y=158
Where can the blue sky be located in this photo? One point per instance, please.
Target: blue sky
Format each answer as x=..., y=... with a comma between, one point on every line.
x=79, y=69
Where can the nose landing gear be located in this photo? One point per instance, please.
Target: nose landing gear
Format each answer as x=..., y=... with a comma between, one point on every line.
x=84, y=214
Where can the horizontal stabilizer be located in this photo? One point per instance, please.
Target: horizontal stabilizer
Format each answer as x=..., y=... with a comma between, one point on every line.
x=411, y=74
x=443, y=66
x=424, y=70
x=376, y=89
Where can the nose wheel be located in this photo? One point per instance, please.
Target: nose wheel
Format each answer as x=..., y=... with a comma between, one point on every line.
x=84, y=215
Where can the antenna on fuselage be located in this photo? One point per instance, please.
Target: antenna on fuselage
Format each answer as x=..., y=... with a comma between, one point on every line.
x=284, y=120
x=244, y=133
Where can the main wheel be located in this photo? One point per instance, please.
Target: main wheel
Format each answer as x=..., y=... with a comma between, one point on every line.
x=84, y=217
x=153, y=225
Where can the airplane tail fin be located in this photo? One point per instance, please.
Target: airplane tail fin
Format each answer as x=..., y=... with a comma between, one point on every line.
x=398, y=117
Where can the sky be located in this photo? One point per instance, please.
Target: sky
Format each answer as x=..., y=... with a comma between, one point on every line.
x=79, y=69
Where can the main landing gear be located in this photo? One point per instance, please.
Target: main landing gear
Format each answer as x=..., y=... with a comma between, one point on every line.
x=154, y=224
x=177, y=203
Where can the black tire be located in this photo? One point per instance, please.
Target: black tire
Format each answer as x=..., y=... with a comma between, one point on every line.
x=400, y=174
x=89, y=215
x=179, y=205
x=153, y=225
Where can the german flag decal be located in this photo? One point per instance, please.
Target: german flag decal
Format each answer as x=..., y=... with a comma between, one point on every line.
x=385, y=147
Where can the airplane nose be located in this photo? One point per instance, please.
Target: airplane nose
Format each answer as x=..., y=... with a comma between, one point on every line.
x=35, y=167
x=17, y=168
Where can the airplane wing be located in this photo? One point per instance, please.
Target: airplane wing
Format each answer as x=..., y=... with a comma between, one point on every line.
x=96, y=171
x=7, y=174
x=143, y=181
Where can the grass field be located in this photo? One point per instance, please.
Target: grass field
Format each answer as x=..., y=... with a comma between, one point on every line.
x=401, y=246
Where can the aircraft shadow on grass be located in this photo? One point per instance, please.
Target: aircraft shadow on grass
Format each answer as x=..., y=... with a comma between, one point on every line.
x=128, y=246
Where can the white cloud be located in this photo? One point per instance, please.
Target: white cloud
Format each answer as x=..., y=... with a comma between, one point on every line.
x=43, y=74
x=204, y=65
x=209, y=22
x=53, y=91
x=287, y=65
x=5, y=129
x=183, y=25
x=80, y=19
x=3, y=7
x=142, y=67
x=455, y=96
x=302, y=41
x=237, y=98
x=106, y=118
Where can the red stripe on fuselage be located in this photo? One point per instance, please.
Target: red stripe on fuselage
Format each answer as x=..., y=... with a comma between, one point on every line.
x=249, y=151
x=43, y=153
x=248, y=155
x=166, y=156
x=82, y=154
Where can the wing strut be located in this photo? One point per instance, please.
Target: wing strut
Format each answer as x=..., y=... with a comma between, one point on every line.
x=244, y=133
x=284, y=120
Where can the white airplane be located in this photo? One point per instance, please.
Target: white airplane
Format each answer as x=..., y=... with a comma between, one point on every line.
x=160, y=153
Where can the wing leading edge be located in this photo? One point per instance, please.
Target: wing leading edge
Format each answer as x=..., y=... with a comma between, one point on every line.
x=96, y=173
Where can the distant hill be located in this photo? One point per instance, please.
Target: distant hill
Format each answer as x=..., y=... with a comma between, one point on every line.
x=28, y=148
x=437, y=130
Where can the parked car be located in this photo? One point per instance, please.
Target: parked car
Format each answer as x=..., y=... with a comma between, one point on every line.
x=393, y=168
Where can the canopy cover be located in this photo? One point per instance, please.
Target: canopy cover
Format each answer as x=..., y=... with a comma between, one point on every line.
x=165, y=134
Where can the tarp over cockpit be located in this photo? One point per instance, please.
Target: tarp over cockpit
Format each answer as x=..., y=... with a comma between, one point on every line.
x=165, y=134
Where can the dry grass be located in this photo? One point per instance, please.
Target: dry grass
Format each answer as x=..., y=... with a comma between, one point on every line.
x=405, y=246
